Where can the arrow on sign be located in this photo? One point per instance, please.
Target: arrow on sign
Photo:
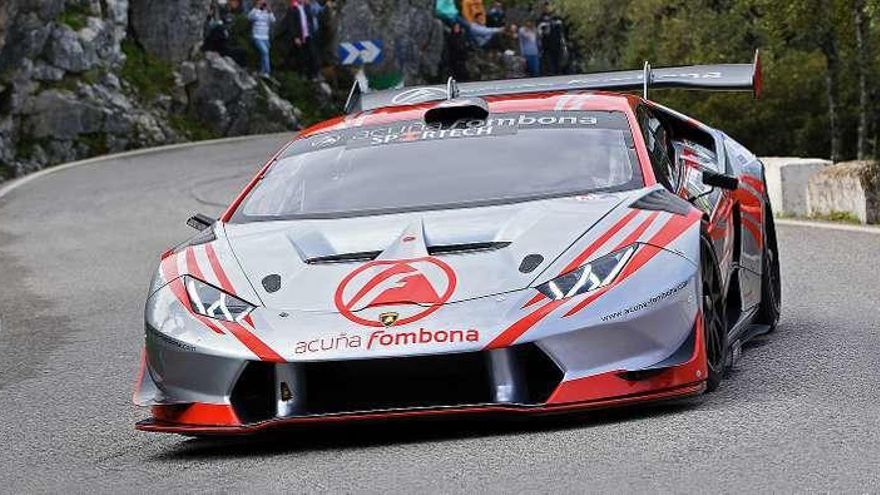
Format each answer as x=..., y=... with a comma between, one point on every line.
x=360, y=52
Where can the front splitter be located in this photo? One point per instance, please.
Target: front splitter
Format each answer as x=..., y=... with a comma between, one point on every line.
x=159, y=426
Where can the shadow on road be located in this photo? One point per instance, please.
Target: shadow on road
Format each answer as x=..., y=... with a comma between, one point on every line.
x=365, y=435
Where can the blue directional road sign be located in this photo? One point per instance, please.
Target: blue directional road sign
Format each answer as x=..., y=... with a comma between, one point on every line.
x=361, y=52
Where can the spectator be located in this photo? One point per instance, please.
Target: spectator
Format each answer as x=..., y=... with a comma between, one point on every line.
x=528, y=47
x=317, y=9
x=299, y=25
x=481, y=34
x=448, y=12
x=262, y=18
x=457, y=52
x=496, y=17
x=551, y=37
x=473, y=11
x=326, y=38
x=216, y=34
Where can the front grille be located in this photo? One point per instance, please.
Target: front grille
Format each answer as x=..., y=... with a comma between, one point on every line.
x=366, y=385
x=396, y=383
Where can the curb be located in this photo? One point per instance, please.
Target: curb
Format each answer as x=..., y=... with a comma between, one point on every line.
x=21, y=181
x=865, y=229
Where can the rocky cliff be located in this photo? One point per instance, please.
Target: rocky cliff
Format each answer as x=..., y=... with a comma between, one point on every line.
x=86, y=77
x=412, y=35
x=80, y=78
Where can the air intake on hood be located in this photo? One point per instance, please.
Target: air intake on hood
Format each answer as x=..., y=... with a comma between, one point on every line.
x=441, y=250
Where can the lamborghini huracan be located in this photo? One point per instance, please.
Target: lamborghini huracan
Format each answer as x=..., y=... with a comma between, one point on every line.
x=504, y=247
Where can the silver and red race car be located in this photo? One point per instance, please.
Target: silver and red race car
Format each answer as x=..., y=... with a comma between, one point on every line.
x=516, y=247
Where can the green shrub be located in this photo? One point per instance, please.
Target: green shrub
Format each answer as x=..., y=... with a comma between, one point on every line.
x=839, y=217
x=192, y=128
x=149, y=75
x=96, y=143
x=75, y=16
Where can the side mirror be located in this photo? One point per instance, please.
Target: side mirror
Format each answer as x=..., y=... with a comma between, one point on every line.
x=200, y=222
x=717, y=179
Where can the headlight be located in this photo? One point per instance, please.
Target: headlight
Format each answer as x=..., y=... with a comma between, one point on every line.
x=212, y=302
x=594, y=275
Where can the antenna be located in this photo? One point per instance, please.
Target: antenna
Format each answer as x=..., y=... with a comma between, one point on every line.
x=647, y=79
x=354, y=98
x=451, y=89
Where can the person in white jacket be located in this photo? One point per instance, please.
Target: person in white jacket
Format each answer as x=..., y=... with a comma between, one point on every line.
x=262, y=18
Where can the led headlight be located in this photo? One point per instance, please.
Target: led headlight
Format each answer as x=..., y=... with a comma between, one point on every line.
x=594, y=275
x=212, y=302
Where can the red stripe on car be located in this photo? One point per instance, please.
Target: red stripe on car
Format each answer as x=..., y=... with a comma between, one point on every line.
x=589, y=251
x=192, y=266
x=514, y=331
x=225, y=284
x=252, y=342
x=598, y=243
x=673, y=228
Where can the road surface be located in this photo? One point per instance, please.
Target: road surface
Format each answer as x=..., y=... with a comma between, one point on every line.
x=801, y=412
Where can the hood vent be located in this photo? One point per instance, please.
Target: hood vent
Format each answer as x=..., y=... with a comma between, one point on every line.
x=473, y=247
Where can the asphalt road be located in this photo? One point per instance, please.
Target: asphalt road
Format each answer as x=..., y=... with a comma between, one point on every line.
x=801, y=412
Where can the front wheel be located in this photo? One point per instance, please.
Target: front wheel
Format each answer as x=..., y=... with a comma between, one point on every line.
x=714, y=323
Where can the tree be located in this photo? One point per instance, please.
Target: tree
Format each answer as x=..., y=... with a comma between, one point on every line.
x=861, y=20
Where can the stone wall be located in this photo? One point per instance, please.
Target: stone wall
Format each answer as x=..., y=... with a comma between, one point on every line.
x=846, y=188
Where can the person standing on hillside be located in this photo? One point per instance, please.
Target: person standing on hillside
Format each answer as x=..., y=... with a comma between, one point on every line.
x=551, y=38
x=262, y=18
x=473, y=11
x=448, y=13
x=457, y=48
x=496, y=17
x=300, y=26
x=528, y=48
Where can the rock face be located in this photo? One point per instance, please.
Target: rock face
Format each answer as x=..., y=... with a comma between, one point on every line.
x=169, y=29
x=851, y=187
x=231, y=101
x=412, y=35
x=61, y=98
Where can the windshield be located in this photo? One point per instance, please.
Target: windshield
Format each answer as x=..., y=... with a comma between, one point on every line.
x=410, y=166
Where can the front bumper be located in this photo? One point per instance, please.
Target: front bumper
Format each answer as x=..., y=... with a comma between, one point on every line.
x=516, y=381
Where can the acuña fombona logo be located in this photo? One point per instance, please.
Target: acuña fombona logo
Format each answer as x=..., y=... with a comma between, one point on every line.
x=410, y=289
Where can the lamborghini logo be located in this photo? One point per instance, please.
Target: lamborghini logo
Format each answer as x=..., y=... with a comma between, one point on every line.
x=388, y=319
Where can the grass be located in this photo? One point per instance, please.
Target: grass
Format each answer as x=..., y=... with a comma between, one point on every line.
x=192, y=128
x=148, y=75
x=838, y=217
x=70, y=82
x=5, y=172
x=75, y=15
x=96, y=143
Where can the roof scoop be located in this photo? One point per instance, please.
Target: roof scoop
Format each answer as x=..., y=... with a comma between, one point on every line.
x=455, y=109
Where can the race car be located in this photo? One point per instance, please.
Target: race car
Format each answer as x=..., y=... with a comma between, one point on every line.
x=507, y=247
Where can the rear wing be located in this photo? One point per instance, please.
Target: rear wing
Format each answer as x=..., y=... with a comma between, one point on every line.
x=722, y=77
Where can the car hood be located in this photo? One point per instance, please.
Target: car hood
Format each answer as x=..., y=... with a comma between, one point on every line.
x=360, y=265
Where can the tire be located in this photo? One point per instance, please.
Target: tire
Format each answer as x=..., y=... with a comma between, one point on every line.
x=771, y=282
x=714, y=320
